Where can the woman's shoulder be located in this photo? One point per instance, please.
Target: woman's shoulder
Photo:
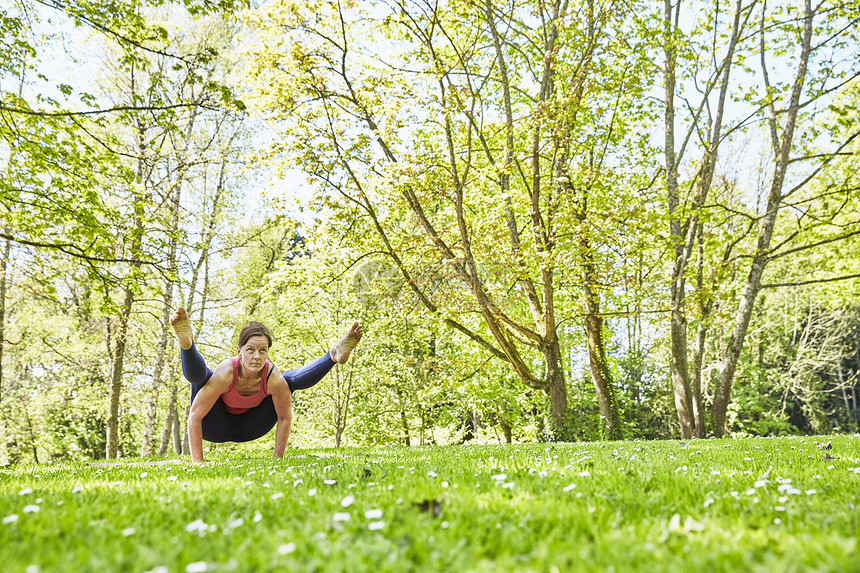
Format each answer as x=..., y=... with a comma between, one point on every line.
x=223, y=373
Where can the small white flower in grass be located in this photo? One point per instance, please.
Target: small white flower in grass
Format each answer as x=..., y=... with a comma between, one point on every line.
x=748, y=459
x=709, y=501
x=691, y=524
x=376, y=525
x=508, y=485
x=10, y=519
x=285, y=549
x=569, y=487
x=197, y=567
x=330, y=482
x=782, y=499
x=312, y=492
x=830, y=467
x=584, y=474
x=171, y=478
x=196, y=525
x=432, y=474
x=77, y=489
x=25, y=491
x=234, y=523
x=373, y=513
x=347, y=501
x=341, y=516
x=751, y=491
x=128, y=531
x=789, y=489
x=760, y=483
x=298, y=481
x=811, y=492
x=499, y=477
x=777, y=521
x=143, y=475
x=31, y=509
x=390, y=487
x=779, y=508
x=444, y=484
x=854, y=470
x=277, y=495
x=444, y=525
x=257, y=517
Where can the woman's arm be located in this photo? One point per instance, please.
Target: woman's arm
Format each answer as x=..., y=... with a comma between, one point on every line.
x=283, y=400
x=203, y=402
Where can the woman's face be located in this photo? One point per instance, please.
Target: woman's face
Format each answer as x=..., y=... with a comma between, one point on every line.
x=254, y=353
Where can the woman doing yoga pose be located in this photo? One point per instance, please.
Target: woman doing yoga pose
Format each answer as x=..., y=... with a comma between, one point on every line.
x=247, y=395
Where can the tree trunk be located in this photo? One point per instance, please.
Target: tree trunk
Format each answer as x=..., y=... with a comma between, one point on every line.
x=701, y=337
x=782, y=148
x=117, y=362
x=167, y=294
x=168, y=423
x=4, y=264
x=600, y=373
x=180, y=434
x=160, y=359
x=678, y=320
x=683, y=233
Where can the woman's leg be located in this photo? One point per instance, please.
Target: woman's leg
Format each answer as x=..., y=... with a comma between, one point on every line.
x=217, y=423
x=253, y=424
x=306, y=376
x=194, y=367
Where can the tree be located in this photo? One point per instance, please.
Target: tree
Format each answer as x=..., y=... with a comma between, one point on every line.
x=509, y=149
x=711, y=64
x=818, y=71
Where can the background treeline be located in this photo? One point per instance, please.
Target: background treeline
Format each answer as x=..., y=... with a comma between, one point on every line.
x=567, y=220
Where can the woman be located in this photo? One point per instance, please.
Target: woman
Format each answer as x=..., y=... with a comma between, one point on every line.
x=247, y=395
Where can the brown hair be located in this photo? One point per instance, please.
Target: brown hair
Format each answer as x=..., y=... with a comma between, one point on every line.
x=254, y=329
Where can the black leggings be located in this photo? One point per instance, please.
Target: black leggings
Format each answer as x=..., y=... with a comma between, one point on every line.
x=221, y=426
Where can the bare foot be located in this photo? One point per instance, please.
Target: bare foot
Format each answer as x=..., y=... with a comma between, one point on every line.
x=182, y=327
x=341, y=350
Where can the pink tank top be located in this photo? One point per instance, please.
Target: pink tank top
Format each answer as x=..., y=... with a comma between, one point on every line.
x=234, y=402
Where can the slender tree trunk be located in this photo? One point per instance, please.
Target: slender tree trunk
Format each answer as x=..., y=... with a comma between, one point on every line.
x=405, y=424
x=683, y=233
x=168, y=423
x=4, y=274
x=167, y=294
x=160, y=359
x=117, y=364
x=782, y=148
x=125, y=310
x=677, y=319
x=181, y=436
x=600, y=373
x=701, y=337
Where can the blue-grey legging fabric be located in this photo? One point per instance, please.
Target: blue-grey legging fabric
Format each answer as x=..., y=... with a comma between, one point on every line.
x=221, y=426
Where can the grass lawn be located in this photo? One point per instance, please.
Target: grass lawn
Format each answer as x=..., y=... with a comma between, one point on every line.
x=778, y=504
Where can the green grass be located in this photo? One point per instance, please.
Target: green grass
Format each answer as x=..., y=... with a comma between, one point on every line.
x=731, y=505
